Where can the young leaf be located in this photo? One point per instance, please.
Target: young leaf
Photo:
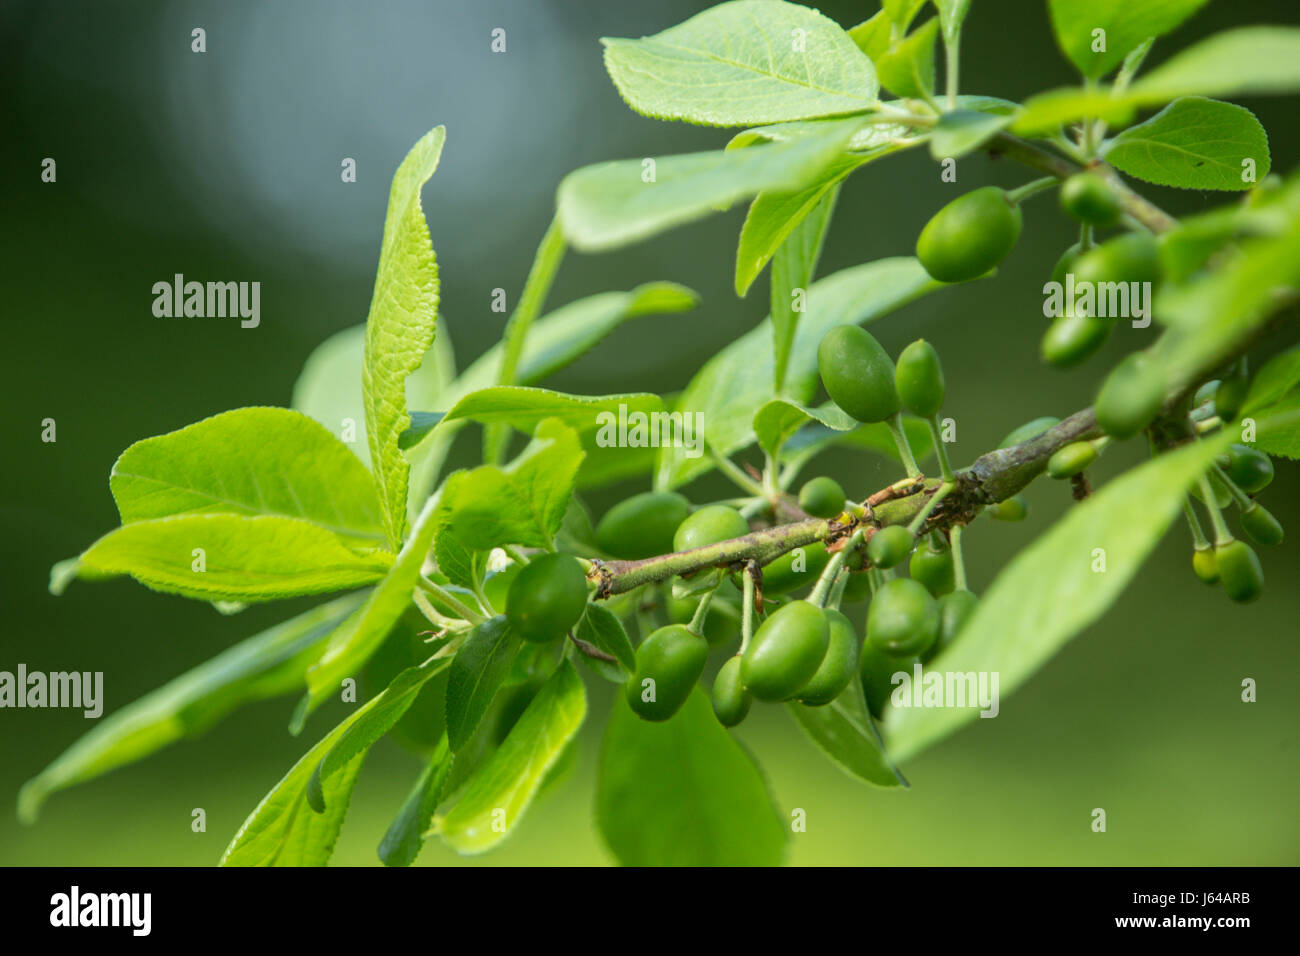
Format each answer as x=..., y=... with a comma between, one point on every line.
x=251, y=461
x=328, y=388
x=793, y=268
x=845, y=732
x=1241, y=61
x=1053, y=589
x=901, y=12
x=617, y=203
x=400, y=327
x=1096, y=35
x=477, y=671
x=1194, y=143
x=1279, y=376
x=226, y=557
x=378, y=717
x=908, y=69
x=601, y=629
x=501, y=790
x=873, y=36
x=736, y=381
x=952, y=13
x=558, y=338
x=522, y=503
x=1047, y=112
x=777, y=420
x=744, y=62
x=683, y=793
x=284, y=830
x=963, y=131
x=405, y=837
x=262, y=666
x=361, y=634
x=525, y=408
x=811, y=441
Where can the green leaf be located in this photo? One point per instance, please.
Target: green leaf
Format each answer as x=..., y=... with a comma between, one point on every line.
x=250, y=461
x=378, y=717
x=1194, y=143
x=683, y=793
x=963, y=131
x=522, y=503
x=283, y=830
x=328, y=388
x=1052, y=589
x=357, y=638
x=845, y=732
x=774, y=217
x=744, y=62
x=1242, y=61
x=405, y=837
x=779, y=419
x=809, y=442
x=1279, y=376
x=1125, y=24
x=525, y=408
x=558, y=338
x=793, y=268
x=736, y=381
x=601, y=629
x=262, y=666
x=477, y=672
x=908, y=69
x=617, y=203
x=501, y=790
x=1047, y=112
x=261, y=558
x=400, y=327
x=901, y=12
x=1278, y=431
x=873, y=36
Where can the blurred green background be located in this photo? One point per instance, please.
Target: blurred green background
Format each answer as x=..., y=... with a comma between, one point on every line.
x=225, y=165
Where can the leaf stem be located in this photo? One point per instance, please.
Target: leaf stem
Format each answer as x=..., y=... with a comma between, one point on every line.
x=449, y=599
x=734, y=472
x=1031, y=188
x=895, y=425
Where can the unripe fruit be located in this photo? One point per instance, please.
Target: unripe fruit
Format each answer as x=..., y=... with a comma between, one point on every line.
x=547, y=597
x=918, y=376
x=1249, y=468
x=903, y=619
x=1088, y=198
x=877, y=669
x=668, y=664
x=857, y=373
x=1072, y=459
x=954, y=610
x=709, y=525
x=969, y=236
x=1015, y=508
x=1072, y=338
x=1230, y=396
x=731, y=702
x=1260, y=524
x=799, y=567
x=933, y=568
x=1065, y=264
x=1134, y=257
x=1131, y=396
x=785, y=651
x=1028, y=430
x=822, y=497
x=1239, y=570
x=1205, y=566
x=643, y=525
x=838, y=666
x=890, y=545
